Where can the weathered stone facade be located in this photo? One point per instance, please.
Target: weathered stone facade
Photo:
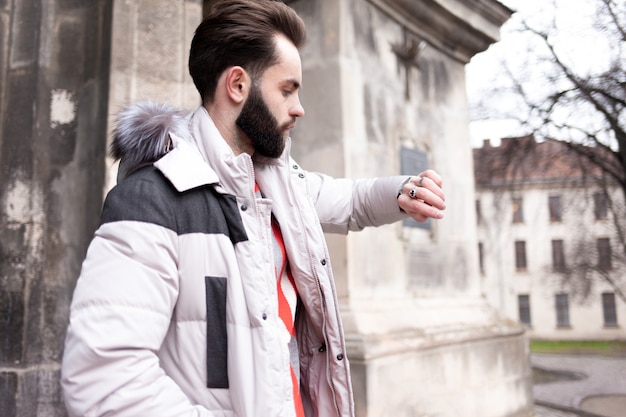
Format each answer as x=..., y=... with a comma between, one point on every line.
x=149, y=52
x=422, y=341
x=54, y=75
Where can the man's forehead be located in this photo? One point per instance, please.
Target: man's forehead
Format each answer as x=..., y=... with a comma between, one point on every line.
x=285, y=71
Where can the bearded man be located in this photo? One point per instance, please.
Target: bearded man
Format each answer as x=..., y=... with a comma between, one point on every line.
x=207, y=289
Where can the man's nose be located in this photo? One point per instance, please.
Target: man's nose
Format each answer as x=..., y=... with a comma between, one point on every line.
x=297, y=110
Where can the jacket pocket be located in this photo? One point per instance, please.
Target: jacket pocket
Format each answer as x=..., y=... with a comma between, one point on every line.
x=216, y=337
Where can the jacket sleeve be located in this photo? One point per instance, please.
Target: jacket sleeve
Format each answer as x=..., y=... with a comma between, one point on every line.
x=345, y=205
x=120, y=314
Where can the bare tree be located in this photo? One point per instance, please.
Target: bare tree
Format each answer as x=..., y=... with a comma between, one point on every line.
x=581, y=106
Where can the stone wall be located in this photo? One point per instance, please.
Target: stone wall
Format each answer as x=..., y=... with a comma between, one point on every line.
x=54, y=73
x=149, y=54
x=382, y=78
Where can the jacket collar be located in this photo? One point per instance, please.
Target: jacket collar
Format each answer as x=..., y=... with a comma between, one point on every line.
x=184, y=167
x=207, y=159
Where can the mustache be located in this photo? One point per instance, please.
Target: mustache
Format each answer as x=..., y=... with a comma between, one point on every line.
x=288, y=125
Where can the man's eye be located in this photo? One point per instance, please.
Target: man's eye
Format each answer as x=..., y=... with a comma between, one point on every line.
x=287, y=92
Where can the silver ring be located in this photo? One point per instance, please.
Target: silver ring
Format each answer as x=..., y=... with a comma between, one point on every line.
x=412, y=192
x=421, y=181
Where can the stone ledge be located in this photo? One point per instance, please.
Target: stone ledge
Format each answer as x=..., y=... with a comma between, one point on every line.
x=459, y=28
x=365, y=347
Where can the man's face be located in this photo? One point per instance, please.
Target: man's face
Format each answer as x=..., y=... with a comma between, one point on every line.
x=259, y=124
x=273, y=103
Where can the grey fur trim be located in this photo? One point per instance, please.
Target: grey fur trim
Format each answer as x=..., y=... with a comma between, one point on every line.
x=141, y=134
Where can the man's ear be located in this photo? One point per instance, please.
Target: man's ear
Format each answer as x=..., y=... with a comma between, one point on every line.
x=237, y=84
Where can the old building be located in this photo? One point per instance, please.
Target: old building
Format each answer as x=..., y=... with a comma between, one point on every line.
x=549, y=240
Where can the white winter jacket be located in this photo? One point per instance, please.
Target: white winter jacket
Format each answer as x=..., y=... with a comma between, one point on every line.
x=175, y=310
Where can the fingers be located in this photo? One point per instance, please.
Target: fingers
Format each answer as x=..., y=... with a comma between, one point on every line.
x=426, y=189
x=429, y=173
x=420, y=209
x=422, y=197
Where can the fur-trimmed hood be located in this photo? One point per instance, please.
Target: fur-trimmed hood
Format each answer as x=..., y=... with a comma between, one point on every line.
x=142, y=134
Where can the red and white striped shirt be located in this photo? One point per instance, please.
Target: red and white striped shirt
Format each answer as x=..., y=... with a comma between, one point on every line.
x=287, y=303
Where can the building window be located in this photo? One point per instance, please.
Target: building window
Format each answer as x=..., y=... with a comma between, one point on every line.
x=520, y=255
x=523, y=305
x=481, y=253
x=608, y=309
x=558, y=256
x=600, y=207
x=604, y=254
x=554, y=205
x=479, y=214
x=562, y=310
x=518, y=212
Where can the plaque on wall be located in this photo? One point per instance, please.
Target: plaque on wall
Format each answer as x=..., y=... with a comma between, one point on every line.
x=412, y=162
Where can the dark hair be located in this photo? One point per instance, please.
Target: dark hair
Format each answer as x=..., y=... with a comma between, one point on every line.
x=240, y=32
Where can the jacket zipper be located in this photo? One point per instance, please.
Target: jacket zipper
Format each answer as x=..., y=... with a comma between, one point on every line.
x=323, y=299
x=267, y=232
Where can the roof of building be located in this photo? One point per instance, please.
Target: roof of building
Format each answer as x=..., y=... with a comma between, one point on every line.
x=526, y=160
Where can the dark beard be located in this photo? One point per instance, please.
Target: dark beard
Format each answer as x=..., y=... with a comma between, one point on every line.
x=258, y=123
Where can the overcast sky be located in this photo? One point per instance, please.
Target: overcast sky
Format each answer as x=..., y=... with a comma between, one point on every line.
x=573, y=18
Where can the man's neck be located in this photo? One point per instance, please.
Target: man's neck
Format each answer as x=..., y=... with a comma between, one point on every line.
x=234, y=137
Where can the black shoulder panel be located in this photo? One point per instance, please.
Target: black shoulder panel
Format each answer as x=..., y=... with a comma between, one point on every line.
x=147, y=196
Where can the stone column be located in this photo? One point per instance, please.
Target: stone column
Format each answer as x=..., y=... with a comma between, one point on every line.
x=54, y=75
x=384, y=79
x=149, y=55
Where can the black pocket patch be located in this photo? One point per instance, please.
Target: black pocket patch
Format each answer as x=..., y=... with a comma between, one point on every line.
x=216, y=337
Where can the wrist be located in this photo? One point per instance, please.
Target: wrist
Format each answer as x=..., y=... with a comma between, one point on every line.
x=402, y=186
